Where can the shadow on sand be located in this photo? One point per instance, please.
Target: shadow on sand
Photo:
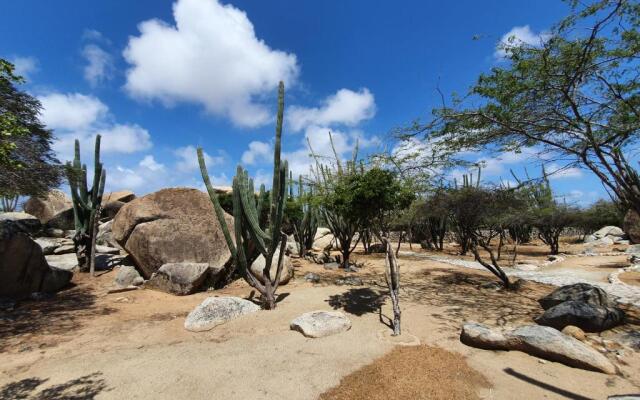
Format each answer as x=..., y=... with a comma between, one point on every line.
x=84, y=388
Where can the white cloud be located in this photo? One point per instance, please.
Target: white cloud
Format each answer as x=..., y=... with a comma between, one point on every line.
x=150, y=163
x=257, y=152
x=210, y=56
x=71, y=111
x=24, y=66
x=346, y=107
x=555, y=171
x=124, y=139
x=188, y=159
x=77, y=116
x=518, y=36
x=99, y=66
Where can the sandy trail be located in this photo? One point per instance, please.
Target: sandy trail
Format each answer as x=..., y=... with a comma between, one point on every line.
x=132, y=345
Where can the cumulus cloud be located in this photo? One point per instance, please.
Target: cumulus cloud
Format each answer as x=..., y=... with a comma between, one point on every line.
x=99, y=66
x=211, y=56
x=188, y=159
x=151, y=164
x=345, y=107
x=71, y=111
x=78, y=116
x=257, y=152
x=518, y=36
x=24, y=66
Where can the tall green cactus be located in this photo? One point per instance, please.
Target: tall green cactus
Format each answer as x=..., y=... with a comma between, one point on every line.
x=253, y=237
x=305, y=225
x=86, y=205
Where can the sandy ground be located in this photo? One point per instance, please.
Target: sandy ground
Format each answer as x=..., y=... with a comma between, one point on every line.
x=90, y=344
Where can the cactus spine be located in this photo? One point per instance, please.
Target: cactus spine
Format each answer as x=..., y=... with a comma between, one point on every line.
x=253, y=237
x=86, y=205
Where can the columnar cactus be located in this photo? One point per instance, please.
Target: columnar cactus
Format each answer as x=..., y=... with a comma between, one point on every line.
x=253, y=237
x=86, y=205
x=305, y=228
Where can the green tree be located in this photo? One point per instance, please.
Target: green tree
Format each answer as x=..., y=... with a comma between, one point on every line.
x=575, y=97
x=27, y=163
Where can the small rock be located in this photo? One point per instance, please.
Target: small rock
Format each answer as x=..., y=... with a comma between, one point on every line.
x=128, y=276
x=64, y=249
x=331, y=265
x=214, y=311
x=107, y=250
x=311, y=277
x=48, y=246
x=574, y=332
x=54, y=233
x=179, y=278
x=318, y=324
x=349, y=281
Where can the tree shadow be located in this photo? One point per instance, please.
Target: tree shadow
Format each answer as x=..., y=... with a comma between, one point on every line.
x=358, y=301
x=84, y=388
x=546, y=386
x=60, y=315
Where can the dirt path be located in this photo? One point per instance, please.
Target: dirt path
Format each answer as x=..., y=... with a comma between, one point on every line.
x=133, y=346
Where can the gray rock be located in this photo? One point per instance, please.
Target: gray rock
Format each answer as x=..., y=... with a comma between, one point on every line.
x=54, y=233
x=349, y=281
x=586, y=316
x=287, y=268
x=624, y=397
x=214, y=311
x=622, y=241
x=26, y=222
x=179, y=278
x=539, y=341
x=311, y=277
x=105, y=235
x=317, y=324
x=609, y=231
x=23, y=267
x=582, y=292
x=64, y=249
x=605, y=241
x=324, y=239
x=590, y=239
x=128, y=276
x=107, y=250
x=633, y=249
x=47, y=245
x=64, y=261
x=331, y=265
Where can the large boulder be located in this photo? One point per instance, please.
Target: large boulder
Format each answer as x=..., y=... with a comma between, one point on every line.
x=171, y=226
x=54, y=209
x=287, y=268
x=113, y=202
x=609, y=231
x=631, y=226
x=214, y=311
x=317, y=324
x=324, y=239
x=582, y=292
x=539, y=341
x=179, y=278
x=26, y=222
x=586, y=316
x=23, y=267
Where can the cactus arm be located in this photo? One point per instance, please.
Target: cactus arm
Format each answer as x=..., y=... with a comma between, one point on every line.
x=216, y=205
x=283, y=245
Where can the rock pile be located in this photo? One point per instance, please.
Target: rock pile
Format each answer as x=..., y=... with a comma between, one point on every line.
x=607, y=236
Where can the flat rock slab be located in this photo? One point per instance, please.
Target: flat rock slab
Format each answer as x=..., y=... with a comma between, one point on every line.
x=64, y=249
x=214, y=311
x=317, y=324
x=539, y=341
x=63, y=261
x=107, y=250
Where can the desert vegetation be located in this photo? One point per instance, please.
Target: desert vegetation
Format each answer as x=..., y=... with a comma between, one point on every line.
x=403, y=271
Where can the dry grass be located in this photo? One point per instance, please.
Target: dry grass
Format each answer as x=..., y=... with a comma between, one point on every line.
x=414, y=373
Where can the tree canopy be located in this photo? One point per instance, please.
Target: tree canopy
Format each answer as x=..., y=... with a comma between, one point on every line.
x=27, y=163
x=575, y=96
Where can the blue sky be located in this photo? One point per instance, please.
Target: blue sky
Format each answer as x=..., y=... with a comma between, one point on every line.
x=159, y=78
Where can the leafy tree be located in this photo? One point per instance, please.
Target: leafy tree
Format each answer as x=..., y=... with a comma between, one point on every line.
x=27, y=163
x=575, y=97
x=599, y=214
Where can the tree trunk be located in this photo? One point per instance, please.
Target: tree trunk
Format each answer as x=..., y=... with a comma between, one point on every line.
x=392, y=276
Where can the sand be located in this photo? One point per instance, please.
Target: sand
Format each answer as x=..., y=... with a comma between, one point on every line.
x=90, y=344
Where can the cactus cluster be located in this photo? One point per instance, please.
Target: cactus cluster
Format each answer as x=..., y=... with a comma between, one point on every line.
x=252, y=236
x=304, y=222
x=87, y=203
x=467, y=180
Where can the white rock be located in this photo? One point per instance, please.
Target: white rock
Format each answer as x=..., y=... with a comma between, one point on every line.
x=318, y=324
x=107, y=250
x=609, y=231
x=287, y=268
x=47, y=245
x=214, y=311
